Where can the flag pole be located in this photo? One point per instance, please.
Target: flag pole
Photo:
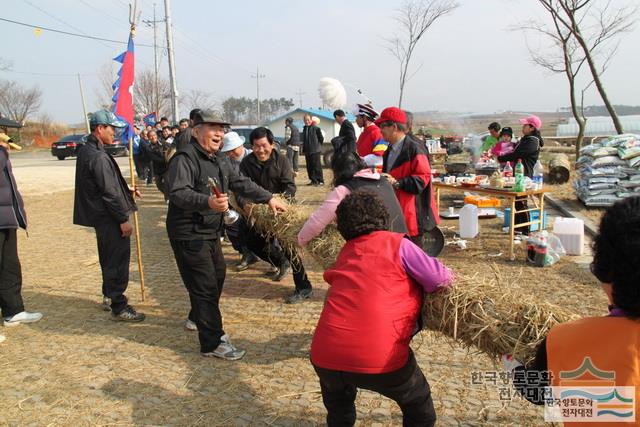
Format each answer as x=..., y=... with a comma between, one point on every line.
x=132, y=173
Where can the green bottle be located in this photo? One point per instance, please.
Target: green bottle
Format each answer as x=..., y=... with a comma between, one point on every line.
x=519, y=175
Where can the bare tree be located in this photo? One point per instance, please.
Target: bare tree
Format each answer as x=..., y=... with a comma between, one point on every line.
x=563, y=56
x=104, y=92
x=197, y=98
x=18, y=102
x=146, y=99
x=591, y=27
x=414, y=18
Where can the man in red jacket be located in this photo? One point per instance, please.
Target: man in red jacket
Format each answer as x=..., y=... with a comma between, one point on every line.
x=367, y=322
x=407, y=164
x=370, y=145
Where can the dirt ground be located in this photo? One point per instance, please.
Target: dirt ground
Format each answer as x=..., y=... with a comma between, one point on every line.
x=76, y=367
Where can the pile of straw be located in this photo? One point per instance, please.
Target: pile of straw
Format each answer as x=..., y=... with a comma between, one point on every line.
x=485, y=313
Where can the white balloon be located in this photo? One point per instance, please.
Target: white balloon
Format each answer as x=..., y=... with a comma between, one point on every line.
x=332, y=93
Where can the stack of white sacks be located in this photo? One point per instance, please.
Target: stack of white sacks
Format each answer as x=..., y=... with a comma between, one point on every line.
x=609, y=171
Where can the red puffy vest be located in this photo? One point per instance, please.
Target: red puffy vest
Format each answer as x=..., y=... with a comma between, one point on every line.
x=371, y=309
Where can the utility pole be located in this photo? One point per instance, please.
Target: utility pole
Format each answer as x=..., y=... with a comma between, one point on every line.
x=300, y=93
x=258, y=76
x=84, y=105
x=172, y=66
x=155, y=60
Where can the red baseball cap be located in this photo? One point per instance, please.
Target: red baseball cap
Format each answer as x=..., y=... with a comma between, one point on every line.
x=392, y=114
x=533, y=121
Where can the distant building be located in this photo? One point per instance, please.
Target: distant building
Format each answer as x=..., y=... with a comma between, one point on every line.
x=600, y=126
x=329, y=126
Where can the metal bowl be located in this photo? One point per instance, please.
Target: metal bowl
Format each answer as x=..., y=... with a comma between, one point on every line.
x=456, y=168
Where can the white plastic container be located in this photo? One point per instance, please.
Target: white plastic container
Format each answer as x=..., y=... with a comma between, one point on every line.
x=468, y=223
x=570, y=231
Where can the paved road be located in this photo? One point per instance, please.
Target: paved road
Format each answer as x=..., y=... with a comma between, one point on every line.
x=38, y=172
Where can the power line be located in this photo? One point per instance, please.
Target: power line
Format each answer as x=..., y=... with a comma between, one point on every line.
x=86, y=36
x=44, y=74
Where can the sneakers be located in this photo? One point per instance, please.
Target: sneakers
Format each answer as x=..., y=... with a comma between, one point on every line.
x=190, y=325
x=129, y=314
x=283, y=270
x=248, y=258
x=106, y=303
x=298, y=296
x=22, y=317
x=226, y=350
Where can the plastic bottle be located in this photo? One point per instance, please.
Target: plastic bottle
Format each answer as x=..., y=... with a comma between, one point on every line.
x=519, y=174
x=507, y=172
x=538, y=172
x=468, y=220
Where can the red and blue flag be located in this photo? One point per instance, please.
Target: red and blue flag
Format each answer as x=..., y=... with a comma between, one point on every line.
x=150, y=119
x=123, y=88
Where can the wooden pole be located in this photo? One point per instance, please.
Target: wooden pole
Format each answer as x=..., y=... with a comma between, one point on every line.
x=132, y=171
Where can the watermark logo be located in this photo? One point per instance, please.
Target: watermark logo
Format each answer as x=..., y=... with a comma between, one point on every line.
x=589, y=394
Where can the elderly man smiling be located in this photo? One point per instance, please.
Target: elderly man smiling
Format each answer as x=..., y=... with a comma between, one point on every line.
x=194, y=225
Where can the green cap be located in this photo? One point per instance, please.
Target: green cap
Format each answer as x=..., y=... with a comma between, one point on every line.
x=104, y=117
x=213, y=117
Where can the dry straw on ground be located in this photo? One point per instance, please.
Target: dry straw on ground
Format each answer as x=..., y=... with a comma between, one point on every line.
x=477, y=312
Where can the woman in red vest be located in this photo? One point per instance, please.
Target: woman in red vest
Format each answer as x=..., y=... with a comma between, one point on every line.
x=371, y=312
x=604, y=350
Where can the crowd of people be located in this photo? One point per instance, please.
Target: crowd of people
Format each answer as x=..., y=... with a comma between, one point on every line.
x=382, y=204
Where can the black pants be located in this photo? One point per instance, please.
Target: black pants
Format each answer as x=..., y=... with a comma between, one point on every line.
x=236, y=233
x=10, y=274
x=114, y=253
x=293, y=156
x=314, y=168
x=407, y=387
x=202, y=268
x=268, y=250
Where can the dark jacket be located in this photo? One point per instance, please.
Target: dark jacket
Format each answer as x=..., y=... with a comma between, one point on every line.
x=348, y=134
x=382, y=188
x=182, y=139
x=12, y=213
x=312, y=140
x=156, y=154
x=189, y=216
x=102, y=194
x=294, y=139
x=274, y=175
x=528, y=150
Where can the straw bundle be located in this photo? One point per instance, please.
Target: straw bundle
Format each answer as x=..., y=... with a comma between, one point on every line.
x=485, y=313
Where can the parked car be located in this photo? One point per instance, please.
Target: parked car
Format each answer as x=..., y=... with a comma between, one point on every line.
x=67, y=146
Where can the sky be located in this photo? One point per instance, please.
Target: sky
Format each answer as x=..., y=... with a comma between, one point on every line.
x=474, y=60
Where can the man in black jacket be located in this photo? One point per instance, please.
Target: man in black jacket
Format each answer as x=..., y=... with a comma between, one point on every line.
x=347, y=133
x=292, y=143
x=156, y=153
x=195, y=224
x=312, y=140
x=103, y=201
x=272, y=171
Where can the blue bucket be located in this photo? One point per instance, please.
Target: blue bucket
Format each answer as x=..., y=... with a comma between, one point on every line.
x=533, y=216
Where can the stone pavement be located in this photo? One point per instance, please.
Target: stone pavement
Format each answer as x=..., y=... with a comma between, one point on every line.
x=76, y=367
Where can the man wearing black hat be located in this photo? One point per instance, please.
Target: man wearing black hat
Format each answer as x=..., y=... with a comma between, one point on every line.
x=195, y=223
x=103, y=201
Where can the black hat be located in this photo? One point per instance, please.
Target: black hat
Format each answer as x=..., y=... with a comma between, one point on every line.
x=506, y=131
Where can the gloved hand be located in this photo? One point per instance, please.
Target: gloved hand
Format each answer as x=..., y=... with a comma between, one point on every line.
x=509, y=363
